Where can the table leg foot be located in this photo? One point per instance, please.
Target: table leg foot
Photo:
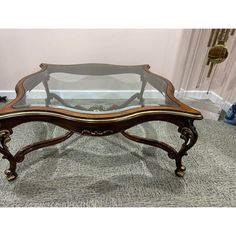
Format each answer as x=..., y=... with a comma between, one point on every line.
x=10, y=175
x=180, y=172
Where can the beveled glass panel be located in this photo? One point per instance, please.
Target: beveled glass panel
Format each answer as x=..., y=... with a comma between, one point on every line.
x=95, y=88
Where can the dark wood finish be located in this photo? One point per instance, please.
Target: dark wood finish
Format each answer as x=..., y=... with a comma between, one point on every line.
x=155, y=143
x=188, y=133
x=20, y=155
x=182, y=116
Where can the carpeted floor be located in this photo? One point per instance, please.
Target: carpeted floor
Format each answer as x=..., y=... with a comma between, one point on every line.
x=113, y=171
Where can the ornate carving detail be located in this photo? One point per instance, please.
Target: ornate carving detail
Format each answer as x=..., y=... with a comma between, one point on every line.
x=97, y=108
x=186, y=134
x=96, y=132
x=189, y=134
x=20, y=155
x=4, y=139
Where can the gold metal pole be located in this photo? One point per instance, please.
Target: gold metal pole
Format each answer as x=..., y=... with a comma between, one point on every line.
x=210, y=70
x=216, y=37
x=211, y=37
x=226, y=35
x=221, y=36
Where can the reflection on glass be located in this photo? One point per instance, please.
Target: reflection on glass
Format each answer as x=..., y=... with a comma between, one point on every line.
x=95, y=88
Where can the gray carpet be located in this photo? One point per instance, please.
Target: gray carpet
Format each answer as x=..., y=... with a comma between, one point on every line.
x=113, y=171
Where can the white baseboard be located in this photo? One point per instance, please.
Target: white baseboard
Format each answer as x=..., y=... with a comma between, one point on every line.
x=84, y=94
x=215, y=98
x=212, y=96
x=121, y=94
x=11, y=94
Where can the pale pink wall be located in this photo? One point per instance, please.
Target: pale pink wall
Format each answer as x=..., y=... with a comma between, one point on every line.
x=224, y=83
x=23, y=50
x=223, y=77
x=192, y=61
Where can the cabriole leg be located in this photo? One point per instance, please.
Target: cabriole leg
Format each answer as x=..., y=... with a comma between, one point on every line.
x=20, y=155
x=189, y=135
x=4, y=139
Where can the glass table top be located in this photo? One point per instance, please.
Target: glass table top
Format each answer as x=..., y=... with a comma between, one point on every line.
x=95, y=88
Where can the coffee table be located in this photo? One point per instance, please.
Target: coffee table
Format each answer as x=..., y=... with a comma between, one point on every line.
x=96, y=100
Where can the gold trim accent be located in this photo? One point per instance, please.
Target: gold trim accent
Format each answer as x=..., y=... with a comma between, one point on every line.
x=96, y=132
x=104, y=120
x=5, y=136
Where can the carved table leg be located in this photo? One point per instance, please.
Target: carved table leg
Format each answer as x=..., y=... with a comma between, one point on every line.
x=190, y=136
x=20, y=155
x=4, y=138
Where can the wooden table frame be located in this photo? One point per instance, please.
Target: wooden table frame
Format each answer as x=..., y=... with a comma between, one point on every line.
x=182, y=116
